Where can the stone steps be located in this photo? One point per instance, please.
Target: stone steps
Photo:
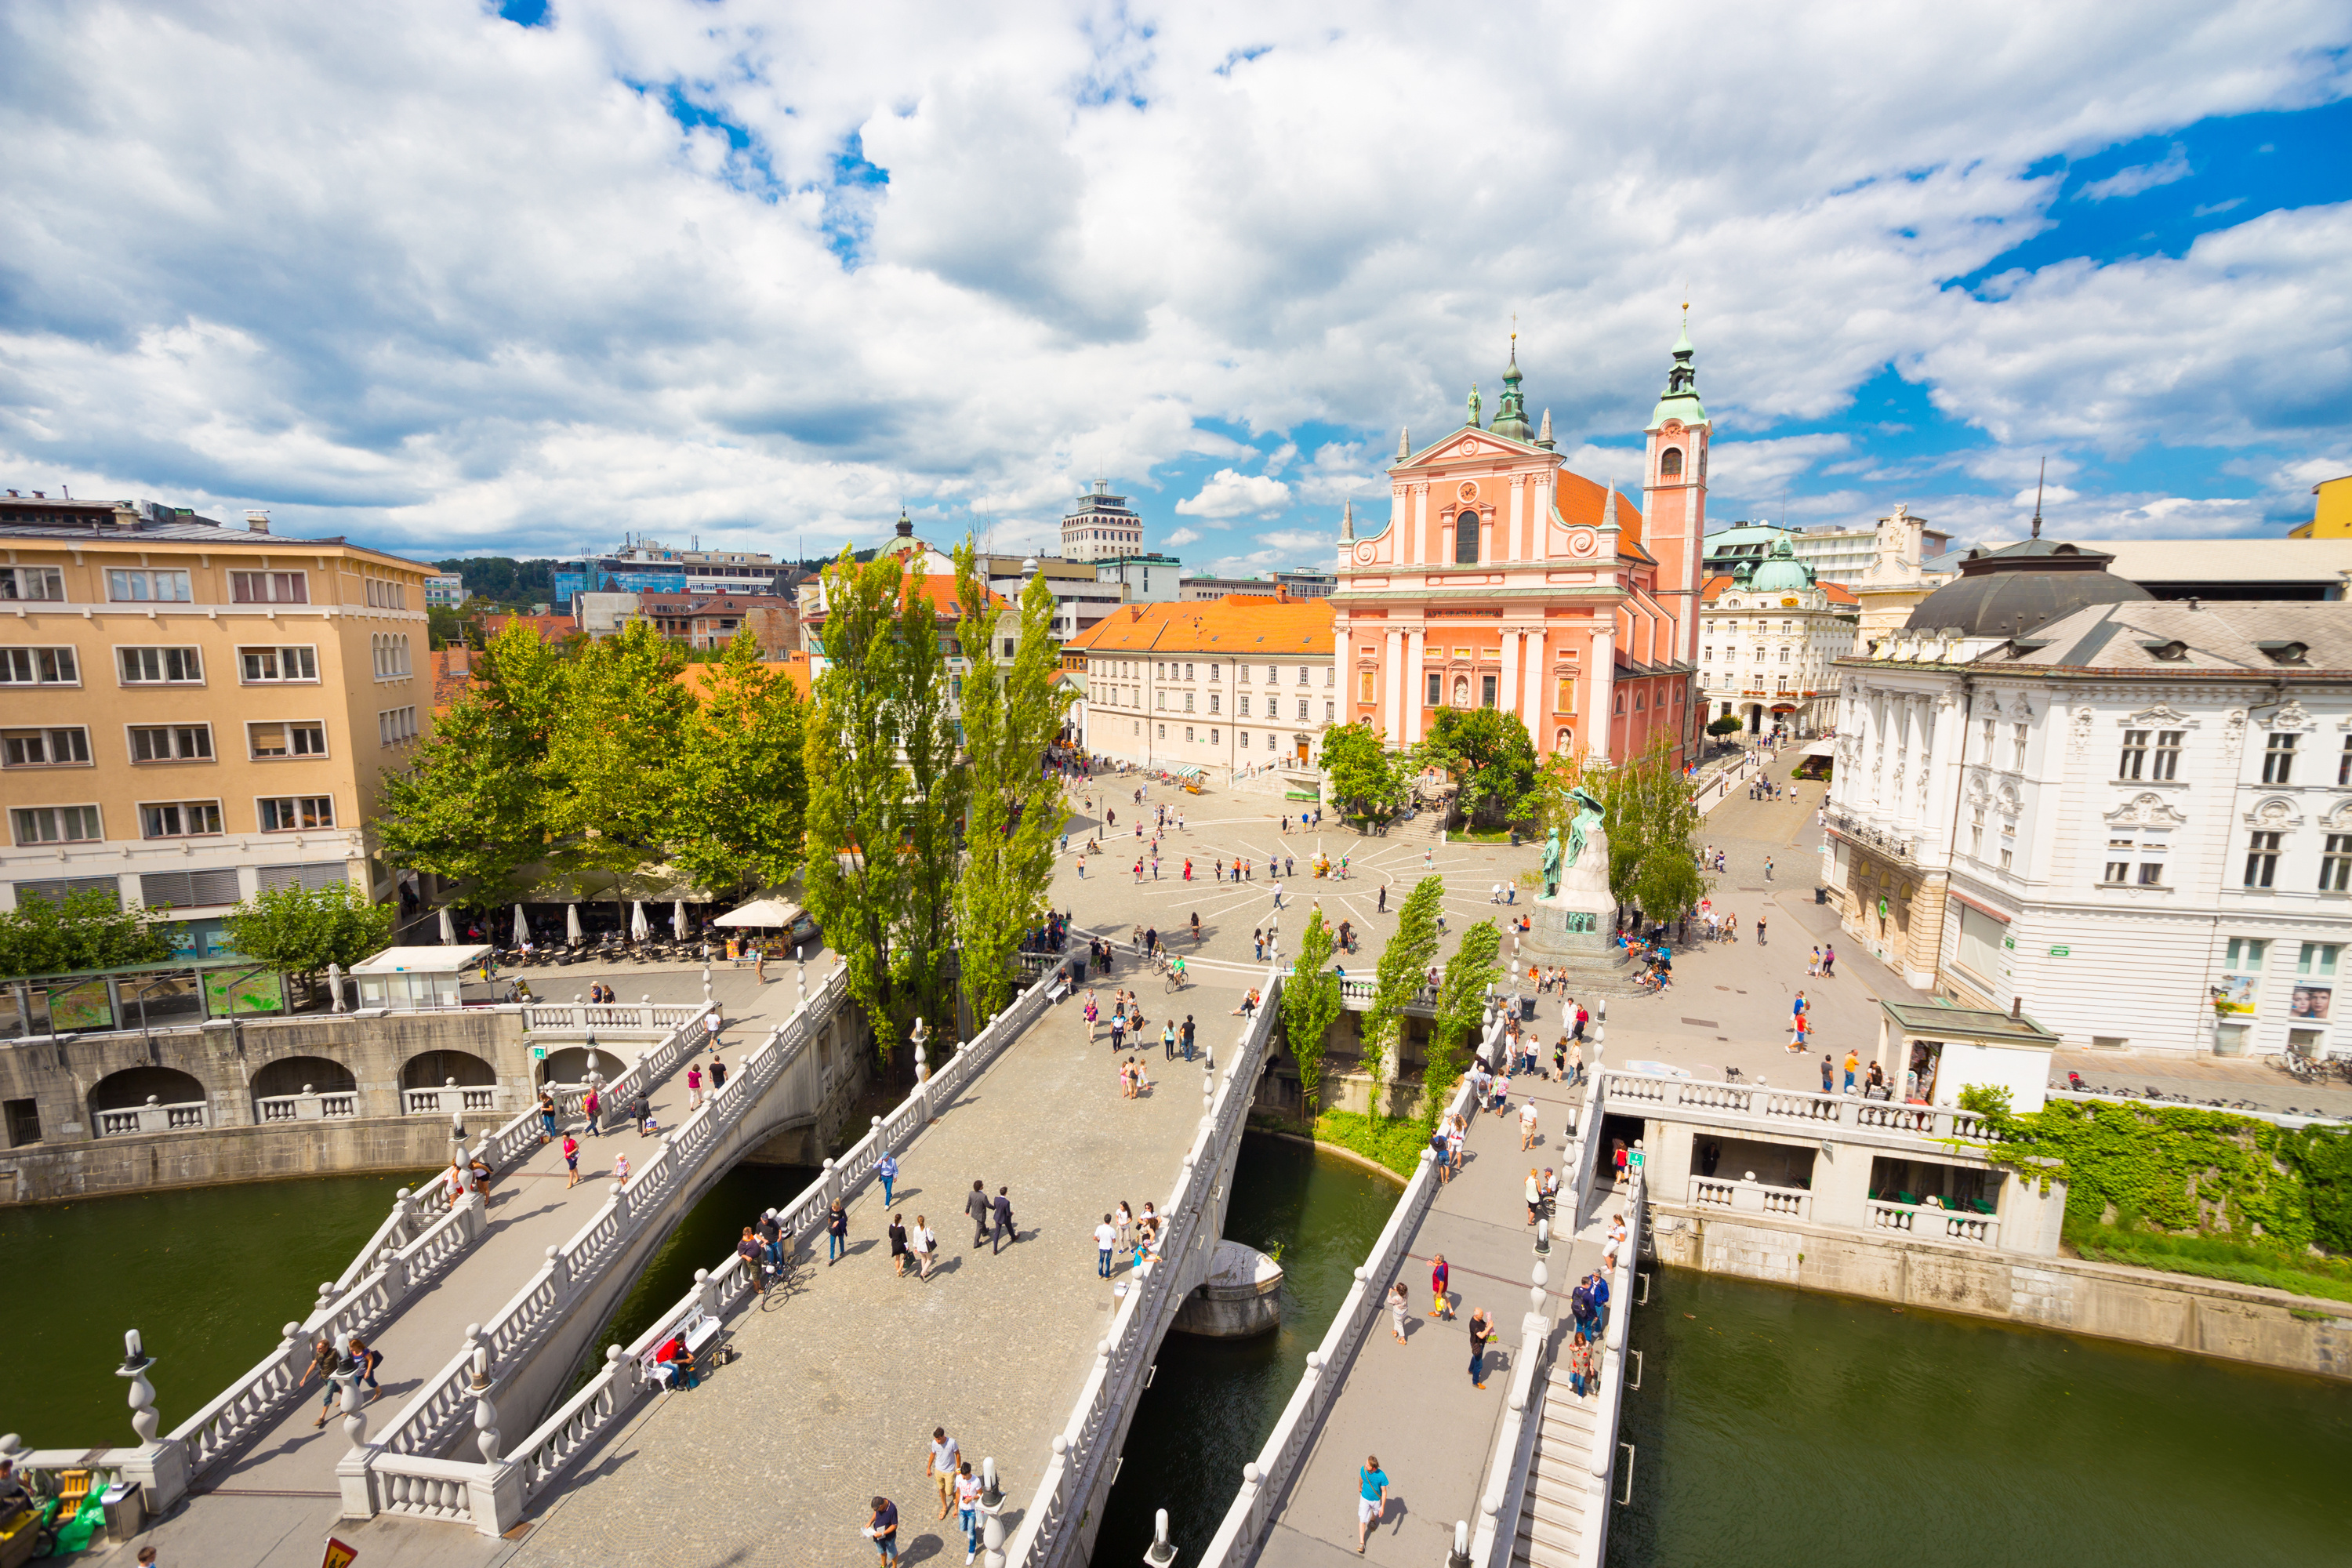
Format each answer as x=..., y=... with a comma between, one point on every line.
x=1551, y=1528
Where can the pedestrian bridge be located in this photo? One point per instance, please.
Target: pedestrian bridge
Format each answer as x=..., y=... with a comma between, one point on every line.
x=486, y=1305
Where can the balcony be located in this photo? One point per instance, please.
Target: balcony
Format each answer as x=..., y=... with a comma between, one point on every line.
x=1897, y=846
x=1750, y=1197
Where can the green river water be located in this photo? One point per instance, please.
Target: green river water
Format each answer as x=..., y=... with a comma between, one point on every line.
x=1773, y=1425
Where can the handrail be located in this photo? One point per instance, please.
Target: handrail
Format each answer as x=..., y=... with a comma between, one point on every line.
x=1699, y=1100
x=1081, y=1449
x=1594, y=1534
x=1265, y=1480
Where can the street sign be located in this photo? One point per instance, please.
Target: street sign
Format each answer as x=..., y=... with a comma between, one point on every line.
x=338, y=1554
x=1633, y=1160
x=2061, y=951
x=538, y=1053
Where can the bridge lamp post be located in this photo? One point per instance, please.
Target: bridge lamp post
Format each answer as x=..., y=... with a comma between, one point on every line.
x=1162, y=1551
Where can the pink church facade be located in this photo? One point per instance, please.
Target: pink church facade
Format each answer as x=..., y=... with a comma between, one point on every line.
x=1504, y=580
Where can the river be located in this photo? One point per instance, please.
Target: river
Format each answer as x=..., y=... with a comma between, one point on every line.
x=1785, y=1427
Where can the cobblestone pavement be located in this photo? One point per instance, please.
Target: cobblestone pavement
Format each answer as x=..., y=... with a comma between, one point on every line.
x=1413, y=1404
x=842, y=1378
x=275, y=1505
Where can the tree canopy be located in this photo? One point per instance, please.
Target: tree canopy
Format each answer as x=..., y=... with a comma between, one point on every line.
x=300, y=930
x=1490, y=752
x=88, y=929
x=1404, y=971
x=1460, y=1004
x=1310, y=1005
x=1367, y=778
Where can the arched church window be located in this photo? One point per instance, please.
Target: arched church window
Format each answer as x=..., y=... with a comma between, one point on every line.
x=1670, y=463
x=1465, y=540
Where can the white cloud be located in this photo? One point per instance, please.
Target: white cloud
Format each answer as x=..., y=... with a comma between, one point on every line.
x=441, y=282
x=2141, y=178
x=1180, y=538
x=1229, y=494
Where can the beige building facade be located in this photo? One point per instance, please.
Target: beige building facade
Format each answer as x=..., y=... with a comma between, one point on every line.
x=195, y=711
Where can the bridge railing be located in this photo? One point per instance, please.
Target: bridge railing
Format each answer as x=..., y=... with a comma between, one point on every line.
x=493, y=1493
x=1656, y=1093
x=1600, y=1482
x=1080, y=1450
x=435, y=1413
x=1266, y=1480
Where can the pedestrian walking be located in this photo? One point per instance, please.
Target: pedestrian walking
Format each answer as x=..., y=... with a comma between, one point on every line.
x=1760, y=931
x=621, y=1168
x=898, y=1234
x=1828, y=1073
x=1106, y=1241
x=1168, y=1039
x=968, y=1490
x=1277, y=895
x=1533, y=1195
x=749, y=1251
x=1396, y=1311
x=887, y=1168
x=694, y=1085
x=1382, y=907
x=1187, y=1032
x=1829, y=961
x=1482, y=1329
x=1123, y=1217
x=1440, y=1305
x=1601, y=1302
x=1528, y=1139
x=1583, y=1366
x=1768, y=868
x=571, y=1159
x=1797, y=1009
x=1576, y=1051
x=1813, y=964
x=1852, y=1066
x=590, y=1104
x=1003, y=1210
x=369, y=1358
x=718, y=1075
x=1118, y=1029
x=939, y=1464
x=976, y=1208
x=837, y=1234
x=925, y=1245
x=641, y=1111
x=546, y=1117
x=882, y=1528
x=323, y=1362
x=1373, y=1500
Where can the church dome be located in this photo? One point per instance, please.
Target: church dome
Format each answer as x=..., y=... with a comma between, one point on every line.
x=1781, y=571
x=2014, y=590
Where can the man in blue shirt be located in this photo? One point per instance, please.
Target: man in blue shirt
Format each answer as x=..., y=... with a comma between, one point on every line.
x=1375, y=1501
x=1599, y=1302
x=883, y=1529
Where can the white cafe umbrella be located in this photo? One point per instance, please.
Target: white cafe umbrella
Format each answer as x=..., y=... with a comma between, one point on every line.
x=448, y=932
x=639, y=927
x=677, y=919
x=522, y=928
x=571, y=923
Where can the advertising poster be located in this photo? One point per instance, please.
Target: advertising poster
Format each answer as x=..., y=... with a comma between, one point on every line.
x=2310, y=1002
x=2238, y=993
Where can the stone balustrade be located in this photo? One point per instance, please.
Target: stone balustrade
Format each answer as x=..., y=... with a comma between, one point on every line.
x=1053, y=1528
x=1664, y=1095
x=307, y=1106
x=450, y=1099
x=1266, y=1480
x=1932, y=1222
x=1750, y=1197
x=404, y=1476
x=152, y=1117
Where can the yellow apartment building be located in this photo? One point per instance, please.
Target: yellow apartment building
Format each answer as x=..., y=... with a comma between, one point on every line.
x=191, y=711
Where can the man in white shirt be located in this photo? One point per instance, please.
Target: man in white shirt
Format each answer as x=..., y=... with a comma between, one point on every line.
x=1527, y=1124
x=1106, y=1238
x=941, y=1466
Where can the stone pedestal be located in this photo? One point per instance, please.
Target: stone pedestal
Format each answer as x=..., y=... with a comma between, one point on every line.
x=1565, y=932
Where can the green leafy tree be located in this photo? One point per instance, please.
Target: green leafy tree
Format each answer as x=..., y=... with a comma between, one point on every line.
x=855, y=875
x=741, y=791
x=1461, y=1004
x=617, y=749
x=300, y=930
x=1404, y=971
x=931, y=806
x=1653, y=825
x=1310, y=1005
x=85, y=929
x=1729, y=724
x=1490, y=752
x=474, y=805
x=1367, y=779
x=1011, y=715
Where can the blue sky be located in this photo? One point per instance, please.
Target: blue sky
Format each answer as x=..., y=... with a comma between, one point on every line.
x=520, y=277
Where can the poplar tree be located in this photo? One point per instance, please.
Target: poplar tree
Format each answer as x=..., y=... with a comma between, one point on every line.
x=856, y=874
x=1404, y=971
x=1011, y=715
x=474, y=805
x=1653, y=825
x=1460, y=1004
x=616, y=750
x=741, y=788
x=928, y=806
x=1310, y=1005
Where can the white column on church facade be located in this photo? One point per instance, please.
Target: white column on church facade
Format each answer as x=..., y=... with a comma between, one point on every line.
x=1599, y=714
x=1416, y=535
x=1343, y=675
x=1518, y=518
x=1510, y=669
x=1393, y=677
x=1411, y=732
x=1532, y=694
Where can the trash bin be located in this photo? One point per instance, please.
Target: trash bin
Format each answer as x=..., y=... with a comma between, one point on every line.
x=126, y=1510
x=1821, y=895
x=1526, y=1009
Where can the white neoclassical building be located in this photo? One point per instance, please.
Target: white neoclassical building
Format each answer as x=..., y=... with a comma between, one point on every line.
x=1769, y=633
x=2132, y=818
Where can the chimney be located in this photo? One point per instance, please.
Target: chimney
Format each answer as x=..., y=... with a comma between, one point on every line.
x=2017, y=1006
x=257, y=521
x=126, y=516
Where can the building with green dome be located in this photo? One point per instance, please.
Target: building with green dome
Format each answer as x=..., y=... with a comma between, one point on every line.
x=1770, y=630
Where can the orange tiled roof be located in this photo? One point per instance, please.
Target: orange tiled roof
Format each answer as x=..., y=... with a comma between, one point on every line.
x=794, y=666
x=551, y=628
x=452, y=676
x=1240, y=626
x=1718, y=583
x=1839, y=594
x=1581, y=502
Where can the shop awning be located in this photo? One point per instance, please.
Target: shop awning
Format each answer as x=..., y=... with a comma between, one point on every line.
x=769, y=910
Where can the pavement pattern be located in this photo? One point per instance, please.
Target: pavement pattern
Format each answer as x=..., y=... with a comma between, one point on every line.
x=845, y=1370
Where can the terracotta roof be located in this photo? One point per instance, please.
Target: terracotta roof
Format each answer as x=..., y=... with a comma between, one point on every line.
x=794, y=666
x=1579, y=502
x=1839, y=594
x=551, y=628
x=452, y=676
x=1240, y=626
x=1716, y=585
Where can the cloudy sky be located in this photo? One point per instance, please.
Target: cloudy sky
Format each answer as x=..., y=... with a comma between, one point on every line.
x=449, y=276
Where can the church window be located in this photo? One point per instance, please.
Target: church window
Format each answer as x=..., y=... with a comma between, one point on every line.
x=1670, y=463
x=1437, y=689
x=1566, y=702
x=1465, y=540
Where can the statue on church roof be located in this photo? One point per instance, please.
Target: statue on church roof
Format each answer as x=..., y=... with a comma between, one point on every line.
x=1473, y=419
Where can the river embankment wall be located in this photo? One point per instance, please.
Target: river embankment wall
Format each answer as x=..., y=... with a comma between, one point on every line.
x=2204, y=1317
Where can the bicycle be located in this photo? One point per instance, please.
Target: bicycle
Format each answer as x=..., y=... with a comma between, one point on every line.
x=1177, y=976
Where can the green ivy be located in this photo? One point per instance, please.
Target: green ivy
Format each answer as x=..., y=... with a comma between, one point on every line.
x=2181, y=1170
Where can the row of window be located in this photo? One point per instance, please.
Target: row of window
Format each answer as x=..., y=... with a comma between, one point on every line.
x=2154, y=754
x=2334, y=861
x=68, y=745
x=394, y=725
x=1166, y=670
x=1788, y=628
x=163, y=665
x=390, y=651
x=127, y=586
x=1241, y=737
x=34, y=826
x=1707, y=654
